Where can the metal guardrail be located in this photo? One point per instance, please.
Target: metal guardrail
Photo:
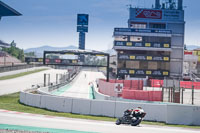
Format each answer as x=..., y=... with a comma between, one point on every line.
x=17, y=67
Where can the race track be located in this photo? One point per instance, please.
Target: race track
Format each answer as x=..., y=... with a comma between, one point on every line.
x=16, y=118
x=26, y=82
x=80, y=87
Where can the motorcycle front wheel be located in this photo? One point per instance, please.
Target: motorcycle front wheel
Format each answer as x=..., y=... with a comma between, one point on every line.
x=118, y=122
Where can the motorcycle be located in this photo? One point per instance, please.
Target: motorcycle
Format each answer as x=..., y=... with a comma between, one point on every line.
x=132, y=119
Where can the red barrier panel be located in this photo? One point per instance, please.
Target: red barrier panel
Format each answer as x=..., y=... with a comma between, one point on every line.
x=127, y=83
x=155, y=95
x=197, y=85
x=128, y=94
x=107, y=88
x=126, y=88
x=189, y=84
x=119, y=81
x=142, y=95
x=186, y=84
x=137, y=85
x=156, y=83
x=112, y=81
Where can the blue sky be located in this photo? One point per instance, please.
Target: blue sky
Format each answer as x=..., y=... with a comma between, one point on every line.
x=53, y=22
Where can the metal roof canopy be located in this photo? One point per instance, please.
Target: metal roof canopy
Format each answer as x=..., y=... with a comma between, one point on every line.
x=3, y=44
x=80, y=52
x=5, y=10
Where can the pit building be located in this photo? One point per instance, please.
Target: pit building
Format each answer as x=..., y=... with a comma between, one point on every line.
x=153, y=43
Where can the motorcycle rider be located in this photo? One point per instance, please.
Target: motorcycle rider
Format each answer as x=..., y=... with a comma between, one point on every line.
x=134, y=112
x=138, y=111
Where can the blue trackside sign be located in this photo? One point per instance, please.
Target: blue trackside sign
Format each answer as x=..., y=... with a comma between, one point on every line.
x=82, y=19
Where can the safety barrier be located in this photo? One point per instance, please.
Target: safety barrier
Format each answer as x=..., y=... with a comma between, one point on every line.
x=133, y=89
x=171, y=114
x=156, y=83
x=183, y=84
x=190, y=84
x=142, y=95
x=107, y=88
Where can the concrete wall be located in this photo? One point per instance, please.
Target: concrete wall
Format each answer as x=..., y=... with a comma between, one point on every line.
x=172, y=114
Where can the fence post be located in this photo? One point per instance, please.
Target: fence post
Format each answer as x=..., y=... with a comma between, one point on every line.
x=56, y=78
x=169, y=94
x=49, y=79
x=173, y=94
x=182, y=95
x=162, y=94
x=45, y=80
x=192, y=94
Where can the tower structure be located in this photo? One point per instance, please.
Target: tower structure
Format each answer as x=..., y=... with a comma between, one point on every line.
x=82, y=27
x=153, y=43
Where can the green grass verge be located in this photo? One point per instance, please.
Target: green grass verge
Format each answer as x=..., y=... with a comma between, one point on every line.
x=21, y=74
x=11, y=102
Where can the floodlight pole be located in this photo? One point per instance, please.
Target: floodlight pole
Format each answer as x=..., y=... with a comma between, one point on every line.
x=108, y=63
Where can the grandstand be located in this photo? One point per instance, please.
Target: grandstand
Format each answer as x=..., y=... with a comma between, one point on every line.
x=8, y=60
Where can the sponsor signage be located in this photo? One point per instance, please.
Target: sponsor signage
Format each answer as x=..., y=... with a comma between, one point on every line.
x=138, y=72
x=29, y=59
x=82, y=29
x=51, y=61
x=165, y=14
x=82, y=22
x=172, y=15
x=143, y=57
x=142, y=30
x=150, y=14
x=142, y=44
x=61, y=61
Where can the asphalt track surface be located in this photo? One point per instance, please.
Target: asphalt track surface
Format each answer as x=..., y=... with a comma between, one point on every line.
x=38, y=121
x=25, y=82
x=81, y=88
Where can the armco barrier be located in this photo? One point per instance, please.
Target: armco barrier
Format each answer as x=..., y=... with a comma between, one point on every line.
x=171, y=114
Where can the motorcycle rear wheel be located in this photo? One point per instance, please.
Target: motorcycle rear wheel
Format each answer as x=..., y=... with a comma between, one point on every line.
x=136, y=122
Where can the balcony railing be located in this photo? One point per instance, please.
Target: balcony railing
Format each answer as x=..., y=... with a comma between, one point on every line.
x=142, y=44
x=140, y=72
x=143, y=58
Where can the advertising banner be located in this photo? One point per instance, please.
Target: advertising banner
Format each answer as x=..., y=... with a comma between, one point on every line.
x=142, y=30
x=146, y=13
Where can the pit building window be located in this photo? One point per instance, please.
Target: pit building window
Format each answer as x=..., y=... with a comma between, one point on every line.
x=157, y=26
x=138, y=25
x=121, y=38
x=135, y=39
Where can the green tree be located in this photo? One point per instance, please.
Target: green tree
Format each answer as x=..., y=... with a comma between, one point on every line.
x=16, y=52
